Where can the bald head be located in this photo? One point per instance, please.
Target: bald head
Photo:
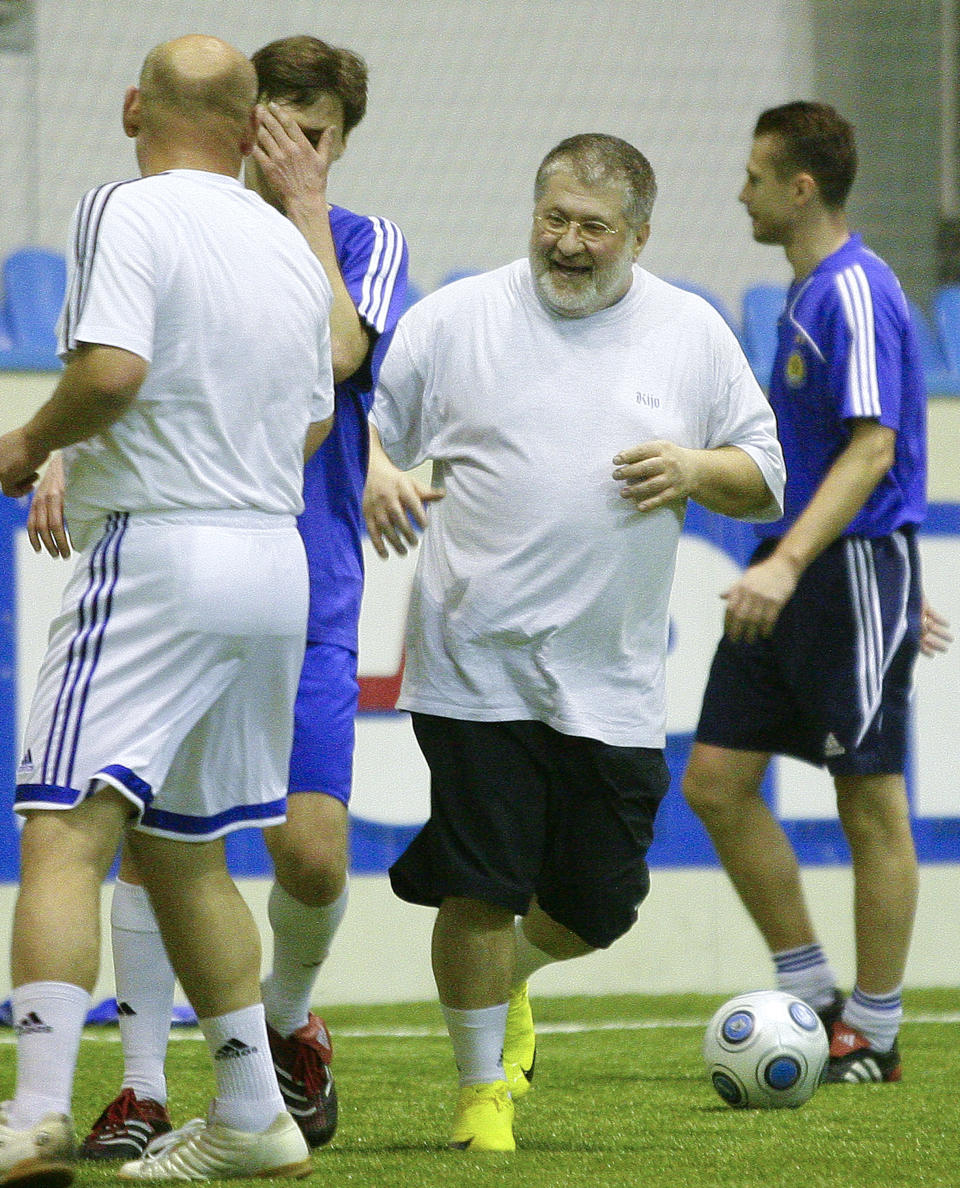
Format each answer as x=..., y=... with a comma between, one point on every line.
x=196, y=96
x=199, y=78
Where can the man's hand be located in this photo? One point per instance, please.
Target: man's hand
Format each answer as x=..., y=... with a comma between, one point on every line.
x=934, y=634
x=46, y=527
x=656, y=473
x=755, y=601
x=20, y=460
x=390, y=497
x=294, y=169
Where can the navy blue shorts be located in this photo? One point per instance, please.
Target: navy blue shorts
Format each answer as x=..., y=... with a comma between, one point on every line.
x=324, y=722
x=518, y=809
x=832, y=684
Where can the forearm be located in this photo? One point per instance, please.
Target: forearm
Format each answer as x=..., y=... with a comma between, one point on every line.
x=845, y=488
x=348, y=337
x=727, y=480
x=96, y=387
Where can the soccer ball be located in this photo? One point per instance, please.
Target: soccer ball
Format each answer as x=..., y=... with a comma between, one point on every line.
x=765, y=1050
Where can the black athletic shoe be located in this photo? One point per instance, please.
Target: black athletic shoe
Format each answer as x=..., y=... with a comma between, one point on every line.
x=302, y=1064
x=125, y=1127
x=831, y=1013
x=852, y=1061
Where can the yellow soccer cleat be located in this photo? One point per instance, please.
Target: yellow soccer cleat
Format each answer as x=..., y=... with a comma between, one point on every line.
x=519, y=1043
x=484, y=1120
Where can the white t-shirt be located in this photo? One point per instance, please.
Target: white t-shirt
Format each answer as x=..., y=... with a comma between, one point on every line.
x=540, y=593
x=223, y=297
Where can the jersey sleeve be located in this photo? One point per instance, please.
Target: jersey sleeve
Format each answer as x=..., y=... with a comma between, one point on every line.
x=742, y=417
x=373, y=262
x=864, y=327
x=111, y=282
x=399, y=411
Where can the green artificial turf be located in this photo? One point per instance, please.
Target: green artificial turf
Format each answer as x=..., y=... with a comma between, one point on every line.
x=620, y=1098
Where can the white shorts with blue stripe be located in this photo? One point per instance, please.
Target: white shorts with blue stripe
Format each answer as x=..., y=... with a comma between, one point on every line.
x=171, y=673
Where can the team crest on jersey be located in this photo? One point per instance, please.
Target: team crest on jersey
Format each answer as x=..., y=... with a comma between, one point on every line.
x=796, y=369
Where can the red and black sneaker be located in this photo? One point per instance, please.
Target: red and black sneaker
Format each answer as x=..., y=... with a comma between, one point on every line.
x=854, y=1062
x=302, y=1063
x=125, y=1127
x=831, y=1013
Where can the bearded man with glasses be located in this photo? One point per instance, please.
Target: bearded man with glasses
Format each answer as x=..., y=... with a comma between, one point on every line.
x=571, y=403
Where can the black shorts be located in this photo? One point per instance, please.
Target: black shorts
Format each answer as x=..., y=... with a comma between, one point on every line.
x=832, y=684
x=518, y=809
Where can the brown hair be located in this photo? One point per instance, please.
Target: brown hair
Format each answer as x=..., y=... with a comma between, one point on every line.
x=815, y=139
x=299, y=69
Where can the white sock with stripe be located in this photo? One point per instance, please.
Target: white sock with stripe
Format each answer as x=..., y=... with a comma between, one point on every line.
x=806, y=973
x=876, y=1016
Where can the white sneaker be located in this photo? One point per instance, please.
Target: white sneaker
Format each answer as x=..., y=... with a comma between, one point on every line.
x=211, y=1151
x=41, y=1157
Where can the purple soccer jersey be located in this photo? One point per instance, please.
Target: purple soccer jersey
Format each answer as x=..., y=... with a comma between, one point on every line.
x=846, y=350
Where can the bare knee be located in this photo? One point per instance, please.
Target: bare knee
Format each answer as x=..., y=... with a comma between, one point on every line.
x=874, y=811
x=717, y=781
x=314, y=874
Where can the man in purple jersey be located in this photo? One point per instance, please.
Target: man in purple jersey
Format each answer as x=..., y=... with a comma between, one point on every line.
x=313, y=96
x=822, y=629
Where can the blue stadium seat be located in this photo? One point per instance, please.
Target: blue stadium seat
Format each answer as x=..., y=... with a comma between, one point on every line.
x=762, y=307
x=711, y=298
x=946, y=313
x=34, y=281
x=940, y=378
x=459, y=274
x=413, y=295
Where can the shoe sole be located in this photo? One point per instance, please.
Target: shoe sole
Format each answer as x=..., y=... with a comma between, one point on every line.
x=291, y=1171
x=470, y=1145
x=39, y=1173
x=287, y=1171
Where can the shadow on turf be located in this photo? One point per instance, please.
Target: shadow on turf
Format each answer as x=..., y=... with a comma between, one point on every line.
x=637, y=1078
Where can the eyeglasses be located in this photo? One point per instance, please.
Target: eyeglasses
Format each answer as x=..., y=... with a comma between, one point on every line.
x=556, y=225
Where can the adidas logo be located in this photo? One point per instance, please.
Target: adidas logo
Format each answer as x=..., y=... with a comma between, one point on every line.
x=233, y=1049
x=31, y=1024
x=27, y=760
x=832, y=747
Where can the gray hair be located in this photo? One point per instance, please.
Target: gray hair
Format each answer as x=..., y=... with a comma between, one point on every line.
x=598, y=159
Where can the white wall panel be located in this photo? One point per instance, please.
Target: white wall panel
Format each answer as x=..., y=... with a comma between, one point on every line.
x=465, y=98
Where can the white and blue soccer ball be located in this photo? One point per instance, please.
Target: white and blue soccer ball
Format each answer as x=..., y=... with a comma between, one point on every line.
x=765, y=1050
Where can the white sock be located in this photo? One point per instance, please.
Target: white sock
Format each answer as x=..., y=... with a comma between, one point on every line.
x=876, y=1016
x=302, y=937
x=48, y=1018
x=806, y=973
x=248, y=1097
x=477, y=1042
x=145, y=985
x=529, y=957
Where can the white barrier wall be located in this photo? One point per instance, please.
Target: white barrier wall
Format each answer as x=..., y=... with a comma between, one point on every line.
x=692, y=933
